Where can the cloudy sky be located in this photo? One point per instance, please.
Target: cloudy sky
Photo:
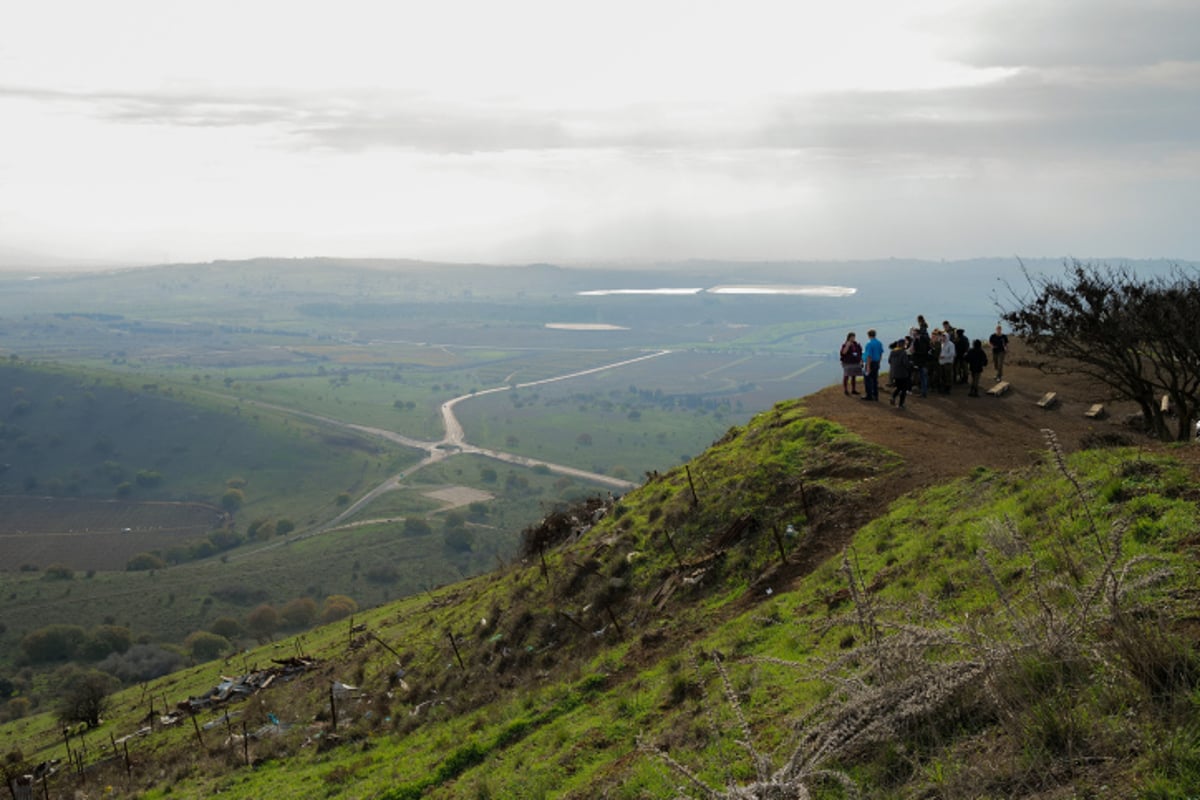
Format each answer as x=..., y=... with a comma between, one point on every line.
x=575, y=130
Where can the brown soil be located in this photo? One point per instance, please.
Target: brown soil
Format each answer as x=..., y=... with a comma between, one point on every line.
x=944, y=437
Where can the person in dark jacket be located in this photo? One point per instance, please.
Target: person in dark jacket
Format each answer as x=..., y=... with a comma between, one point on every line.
x=976, y=360
x=851, y=357
x=922, y=358
x=900, y=367
x=999, y=343
x=962, y=346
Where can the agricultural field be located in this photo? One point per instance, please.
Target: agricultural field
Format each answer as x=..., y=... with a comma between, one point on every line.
x=95, y=534
x=237, y=382
x=640, y=417
x=73, y=436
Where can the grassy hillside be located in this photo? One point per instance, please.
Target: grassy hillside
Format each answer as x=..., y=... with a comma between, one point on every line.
x=94, y=471
x=68, y=433
x=1002, y=634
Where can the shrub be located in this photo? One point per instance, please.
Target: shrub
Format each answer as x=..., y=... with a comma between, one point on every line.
x=15, y=708
x=383, y=573
x=58, y=572
x=144, y=561
x=298, y=613
x=232, y=500
x=205, y=646
x=239, y=594
x=337, y=606
x=224, y=539
x=459, y=540
x=148, y=478
x=228, y=627
x=142, y=662
x=415, y=526
x=83, y=694
x=103, y=640
x=263, y=621
x=52, y=643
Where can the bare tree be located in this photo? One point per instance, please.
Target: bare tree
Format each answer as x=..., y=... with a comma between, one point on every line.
x=1139, y=336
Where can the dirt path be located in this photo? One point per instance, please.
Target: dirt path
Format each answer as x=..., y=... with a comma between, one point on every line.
x=943, y=437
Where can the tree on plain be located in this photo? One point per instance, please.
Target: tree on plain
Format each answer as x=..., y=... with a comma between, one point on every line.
x=262, y=622
x=1138, y=336
x=83, y=694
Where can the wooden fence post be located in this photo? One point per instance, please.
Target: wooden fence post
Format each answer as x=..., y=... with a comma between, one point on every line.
x=332, y=708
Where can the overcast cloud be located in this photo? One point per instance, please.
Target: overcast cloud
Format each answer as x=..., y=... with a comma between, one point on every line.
x=574, y=131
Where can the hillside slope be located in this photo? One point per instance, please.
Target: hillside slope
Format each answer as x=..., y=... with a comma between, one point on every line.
x=1007, y=621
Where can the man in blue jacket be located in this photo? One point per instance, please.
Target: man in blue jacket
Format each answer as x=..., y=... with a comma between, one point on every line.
x=872, y=355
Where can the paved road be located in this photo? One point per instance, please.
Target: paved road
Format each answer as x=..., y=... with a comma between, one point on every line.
x=454, y=441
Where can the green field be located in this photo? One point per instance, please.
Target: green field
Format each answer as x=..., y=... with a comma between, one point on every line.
x=184, y=383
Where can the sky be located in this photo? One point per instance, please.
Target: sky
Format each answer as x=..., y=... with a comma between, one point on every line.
x=575, y=131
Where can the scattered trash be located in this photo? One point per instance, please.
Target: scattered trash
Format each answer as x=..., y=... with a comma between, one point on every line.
x=224, y=719
x=246, y=685
x=342, y=690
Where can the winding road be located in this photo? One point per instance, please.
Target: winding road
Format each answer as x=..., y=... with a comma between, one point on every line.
x=454, y=442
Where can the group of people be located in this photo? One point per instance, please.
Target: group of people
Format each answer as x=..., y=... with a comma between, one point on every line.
x=923, y=360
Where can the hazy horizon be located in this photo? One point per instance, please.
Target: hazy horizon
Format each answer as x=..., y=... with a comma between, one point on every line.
x=147, y=133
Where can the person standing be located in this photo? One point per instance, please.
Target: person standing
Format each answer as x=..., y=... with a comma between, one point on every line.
x=946, y=361
x=962, y=346
x=999, y=343
x=934, y=361
x=900, y=367
x=851, y=355
x=976, y=360
x=872, y=356
x=921, y=349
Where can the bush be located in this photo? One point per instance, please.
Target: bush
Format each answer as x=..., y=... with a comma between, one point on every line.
x=205, y=646
x=224, y=539
x=459, y=540
x=52, y=643
x=383, y=573
x=144, y=561
x=104, y=640
x=232, y=500
x=15, y=708
x=227, y=627
x=263, y=621
x=260, y=529
x=58, y=572
x=83, y=694
x=337, y=606
x=298, y=613
x=148, y=478
x=415, y=526
x=239, y=594
x=142, y=662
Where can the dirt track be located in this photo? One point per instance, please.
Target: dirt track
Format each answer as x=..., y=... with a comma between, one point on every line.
x=944, y=437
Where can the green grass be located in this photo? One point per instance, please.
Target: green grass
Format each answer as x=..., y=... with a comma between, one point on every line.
x=545, y=712
x=73, y=434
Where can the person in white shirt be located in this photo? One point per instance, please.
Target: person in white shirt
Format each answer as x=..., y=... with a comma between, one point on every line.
x=946, y=362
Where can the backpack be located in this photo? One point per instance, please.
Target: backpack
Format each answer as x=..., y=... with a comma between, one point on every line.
x=921, y=348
